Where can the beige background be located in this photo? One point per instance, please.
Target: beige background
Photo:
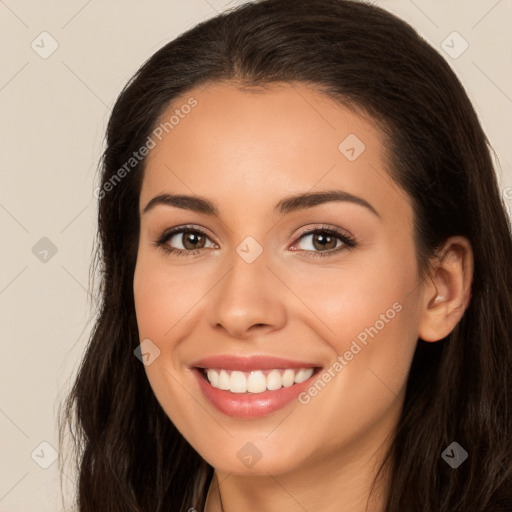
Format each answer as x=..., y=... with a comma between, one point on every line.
x=54, y=111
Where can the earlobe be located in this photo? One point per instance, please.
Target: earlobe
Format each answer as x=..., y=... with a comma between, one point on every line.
x=447, y=290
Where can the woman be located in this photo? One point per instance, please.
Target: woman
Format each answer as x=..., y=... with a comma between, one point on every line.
x=306, y=279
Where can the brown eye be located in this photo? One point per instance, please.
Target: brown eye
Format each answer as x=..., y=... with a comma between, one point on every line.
x=184, y=241
x=324, y=242
x=192, y=240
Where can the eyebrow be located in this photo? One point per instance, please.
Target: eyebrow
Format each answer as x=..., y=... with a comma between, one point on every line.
x=286, y=205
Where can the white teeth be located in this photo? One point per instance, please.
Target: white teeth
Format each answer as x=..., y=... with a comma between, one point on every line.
x=273, y=380
x=237, y=382
x=288, y=378
x=213, y=377
x=256, y=381
x=302, y=375
x=223, y=380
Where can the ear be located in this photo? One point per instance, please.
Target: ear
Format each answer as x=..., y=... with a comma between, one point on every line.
x=447, y=290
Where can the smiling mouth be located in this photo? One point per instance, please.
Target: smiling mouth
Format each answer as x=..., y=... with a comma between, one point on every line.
x=256, y=381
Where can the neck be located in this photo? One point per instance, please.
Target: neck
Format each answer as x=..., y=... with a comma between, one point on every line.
x=325, y=485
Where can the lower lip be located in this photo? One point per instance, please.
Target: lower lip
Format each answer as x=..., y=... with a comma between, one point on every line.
x=250, y=405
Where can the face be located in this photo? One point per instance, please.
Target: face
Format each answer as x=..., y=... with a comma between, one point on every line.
x=281, y=322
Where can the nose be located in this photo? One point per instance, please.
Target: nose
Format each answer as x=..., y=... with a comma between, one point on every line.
x=248, y=300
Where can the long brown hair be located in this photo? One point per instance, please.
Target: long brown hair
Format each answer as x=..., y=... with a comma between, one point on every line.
x=130, y=456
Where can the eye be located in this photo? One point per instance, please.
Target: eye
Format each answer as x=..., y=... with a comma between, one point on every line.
x=325, y=241
x=190, y=238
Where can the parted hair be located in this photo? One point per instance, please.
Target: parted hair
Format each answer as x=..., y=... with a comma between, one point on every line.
x=129, y=455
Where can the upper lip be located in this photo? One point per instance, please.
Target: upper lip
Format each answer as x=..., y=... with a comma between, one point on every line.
x=231, y=362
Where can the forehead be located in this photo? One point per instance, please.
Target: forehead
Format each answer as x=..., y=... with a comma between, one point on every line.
x=257, y=145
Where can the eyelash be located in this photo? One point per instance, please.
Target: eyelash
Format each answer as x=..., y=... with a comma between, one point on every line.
x=348, y=241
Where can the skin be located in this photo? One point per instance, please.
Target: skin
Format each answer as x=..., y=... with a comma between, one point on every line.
x=245, y=151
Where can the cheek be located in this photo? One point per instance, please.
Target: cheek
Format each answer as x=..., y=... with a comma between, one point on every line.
x=373, y=345
x=162, y=300
x=371, y=313
x=163, y=296
x=373, y=295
